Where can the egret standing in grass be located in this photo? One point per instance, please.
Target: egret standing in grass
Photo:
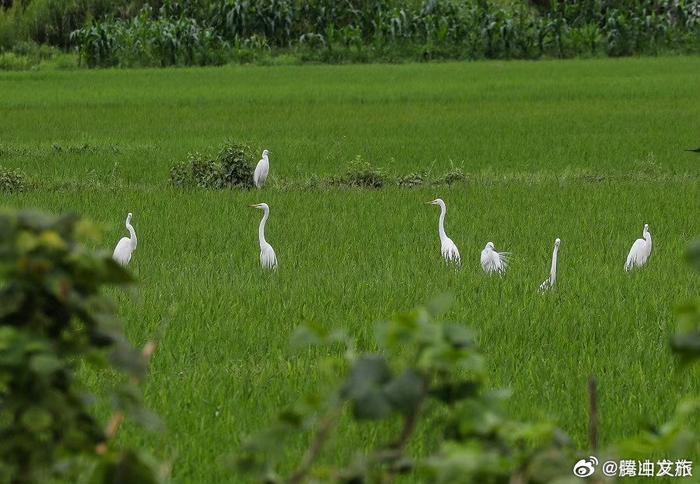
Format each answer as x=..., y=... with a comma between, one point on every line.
x=492, y=261
x=552, y=280
x=268, y=259
x=640, y=251
x=261, y=170
x=447, y=247
x=126, y=245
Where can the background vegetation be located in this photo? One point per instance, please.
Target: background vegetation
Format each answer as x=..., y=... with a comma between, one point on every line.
x=171, y=32
x=585, y=150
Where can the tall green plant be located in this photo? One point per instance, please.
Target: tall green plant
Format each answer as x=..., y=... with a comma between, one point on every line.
x=149, y=40
x=183, y=33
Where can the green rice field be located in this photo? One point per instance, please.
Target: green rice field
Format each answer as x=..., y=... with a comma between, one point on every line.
x=584, y=150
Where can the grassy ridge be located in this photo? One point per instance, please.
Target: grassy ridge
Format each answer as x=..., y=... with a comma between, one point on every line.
x=350, y=257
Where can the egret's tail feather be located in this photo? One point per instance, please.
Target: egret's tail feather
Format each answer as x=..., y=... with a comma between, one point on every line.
x=629, y=263
x=504, y=257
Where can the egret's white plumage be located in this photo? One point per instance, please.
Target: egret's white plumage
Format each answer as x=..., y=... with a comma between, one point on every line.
x=448, y=249
x=492, y=261
x=550, y=282
x=126, y=245
x=261, y=170
x=268, y=259
x=640, y=251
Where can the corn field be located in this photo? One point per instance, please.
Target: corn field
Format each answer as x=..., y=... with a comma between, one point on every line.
x=210, y=32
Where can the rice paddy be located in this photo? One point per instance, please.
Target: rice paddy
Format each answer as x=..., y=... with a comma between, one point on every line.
x=587, y=151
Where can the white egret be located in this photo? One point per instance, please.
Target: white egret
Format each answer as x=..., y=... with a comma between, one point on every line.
x=126, y=245
x=448, y=249
x=261, y=170
x=492, y=261
x=640, y=251
x=268, y=259
x=552, y=280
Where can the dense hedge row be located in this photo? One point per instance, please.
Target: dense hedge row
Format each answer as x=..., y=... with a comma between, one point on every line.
x=208, y=32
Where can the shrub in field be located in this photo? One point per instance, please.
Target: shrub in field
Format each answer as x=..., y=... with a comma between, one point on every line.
x=181, y=174
x=206, y=173
x=362, y=174
x=197, y=171
x=232, y=168
x=454, y=175
x=412, y=180
x=236, y=160
x=53, y=319
x=426, y=368
x=12, y=181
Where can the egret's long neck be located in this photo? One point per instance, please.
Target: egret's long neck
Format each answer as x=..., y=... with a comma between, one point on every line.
x=261, y=229
x=441, y=224
x=132, y=235
x=553, y=271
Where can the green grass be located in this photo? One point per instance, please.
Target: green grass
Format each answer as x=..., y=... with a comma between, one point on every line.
x=587, y=151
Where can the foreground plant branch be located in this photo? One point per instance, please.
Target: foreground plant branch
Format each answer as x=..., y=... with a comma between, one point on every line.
x=117, y=418
x=313, y=453
x=53, y=316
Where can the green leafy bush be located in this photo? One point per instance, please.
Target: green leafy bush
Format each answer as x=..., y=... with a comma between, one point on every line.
x=232, y=168
x=454, y=175
x=236, y=161
x=12, y=181
x=411, y=180
x=362, y=174
x=54, y=318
